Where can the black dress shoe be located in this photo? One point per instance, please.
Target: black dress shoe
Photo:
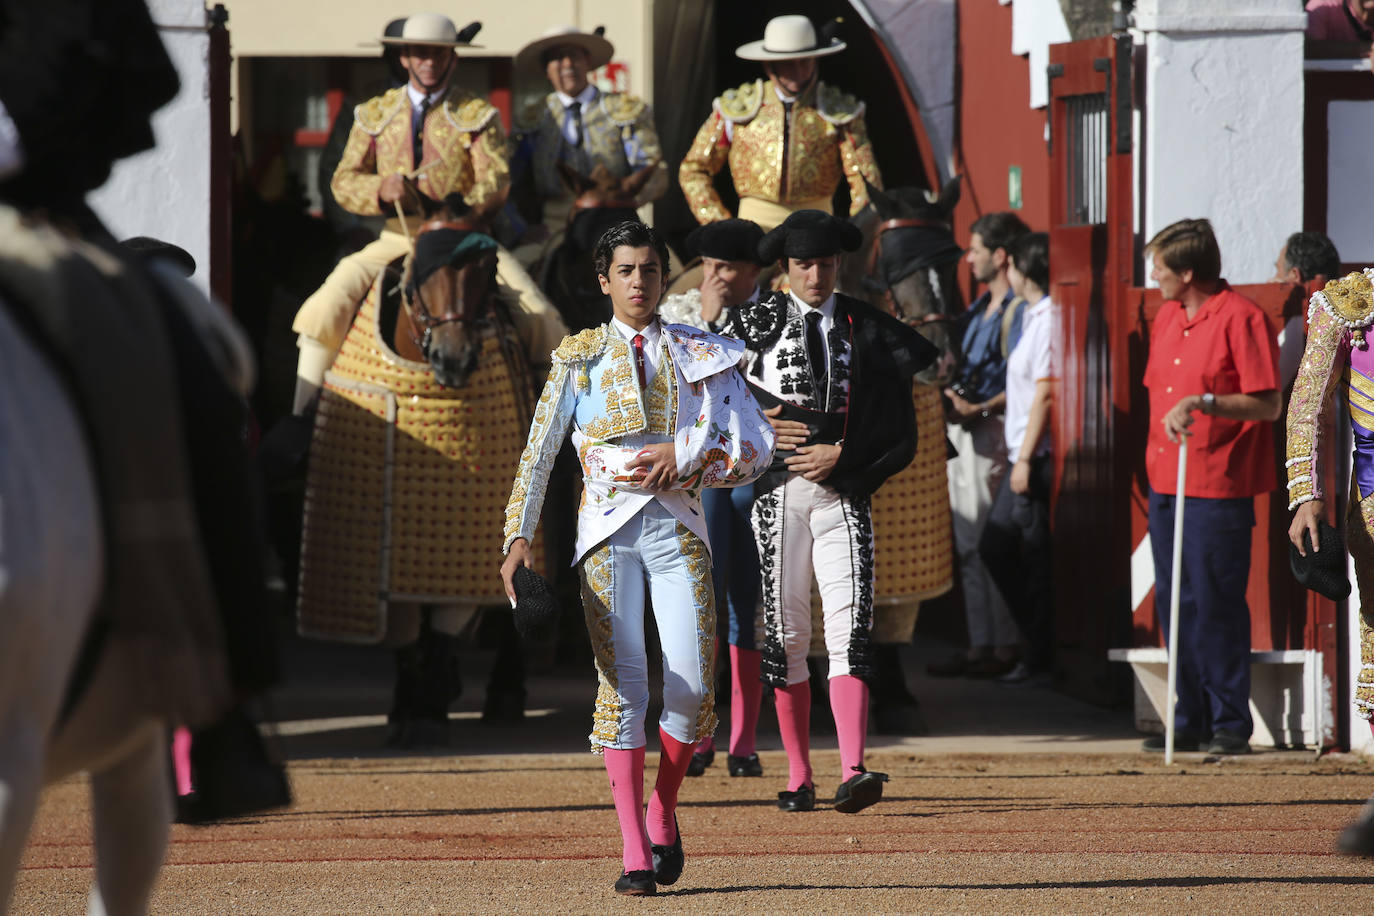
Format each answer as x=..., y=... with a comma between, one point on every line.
x=668, y=860
x=1228, y=743
x=804, y=799
x=859, y=791
x=700, y=761
x=636, y=884
x=744, y=766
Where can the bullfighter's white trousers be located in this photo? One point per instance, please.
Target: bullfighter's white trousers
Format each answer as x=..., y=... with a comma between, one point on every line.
x=656, y=556
x=805, y=529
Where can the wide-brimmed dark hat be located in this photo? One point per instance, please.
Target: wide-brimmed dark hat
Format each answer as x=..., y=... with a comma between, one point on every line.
x=727, y=240
x=1323, y=570
x=810, y=234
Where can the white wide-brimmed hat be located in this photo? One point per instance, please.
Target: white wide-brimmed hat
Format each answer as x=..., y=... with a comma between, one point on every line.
x=433, y=29
x=599, y=50
x=788, y=38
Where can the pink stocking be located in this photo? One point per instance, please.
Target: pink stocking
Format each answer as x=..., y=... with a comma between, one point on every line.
x=625, y=769
x=1371, y=726
x=849, y=704
x=672, y=767
x=745, y=694
x=794, y=722
x=181, y=760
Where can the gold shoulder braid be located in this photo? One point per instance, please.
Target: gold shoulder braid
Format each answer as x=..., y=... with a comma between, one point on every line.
x=622, y=108
x=374, y=114
x=836, y=106
x=581, y=348
x=741, y=104
x=1350, y=303
x=468, y=112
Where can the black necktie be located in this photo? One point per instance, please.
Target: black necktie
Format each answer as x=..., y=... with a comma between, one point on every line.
x=815, y=352
x=417, y=134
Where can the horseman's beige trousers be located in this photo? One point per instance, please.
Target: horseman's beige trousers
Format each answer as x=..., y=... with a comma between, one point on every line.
x=323, y=319
x=974, y=475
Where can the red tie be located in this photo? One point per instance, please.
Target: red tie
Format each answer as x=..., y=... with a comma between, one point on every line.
x=639, y=358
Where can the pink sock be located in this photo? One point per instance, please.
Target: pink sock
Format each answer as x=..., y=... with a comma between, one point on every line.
x=672, y=768
x=181, y=760
x=706, y=745
x=1371, y=726
x=794, y=722
x=745, y=694
x=849, y=704
x=625, y=769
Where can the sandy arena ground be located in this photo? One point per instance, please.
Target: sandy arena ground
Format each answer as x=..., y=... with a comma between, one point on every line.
x=1052, y=818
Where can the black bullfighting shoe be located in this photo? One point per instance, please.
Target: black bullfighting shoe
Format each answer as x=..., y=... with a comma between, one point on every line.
x=803, y=799
x=859, y=791
x=700, y=761
x=668, y=860
x=636, y=884
x=744, y=766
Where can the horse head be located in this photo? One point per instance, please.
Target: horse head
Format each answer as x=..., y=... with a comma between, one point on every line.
x=909, y=263
x=449, y=281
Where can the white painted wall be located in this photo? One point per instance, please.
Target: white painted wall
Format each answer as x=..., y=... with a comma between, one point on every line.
x=1035, y=25
x=1222, y=132
x=165, y=192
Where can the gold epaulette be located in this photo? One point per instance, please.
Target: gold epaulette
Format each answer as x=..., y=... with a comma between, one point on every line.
x=582, y=346
x=374, y=114
x=1349, y=301
x=527, y=119
x=468, y=113
x=740, y=105
x=837, y=106
x=623, y=108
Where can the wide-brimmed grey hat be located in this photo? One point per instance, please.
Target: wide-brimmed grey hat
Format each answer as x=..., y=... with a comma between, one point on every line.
x=433, y=29
x=789, y=38
x=599, y=49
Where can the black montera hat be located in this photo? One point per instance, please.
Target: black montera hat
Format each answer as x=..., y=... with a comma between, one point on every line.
x=810, y=234
x=1323, y=570
x=727, y=240
x=536, y=607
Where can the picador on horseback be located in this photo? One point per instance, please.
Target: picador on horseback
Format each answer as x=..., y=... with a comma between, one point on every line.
x=450, y=321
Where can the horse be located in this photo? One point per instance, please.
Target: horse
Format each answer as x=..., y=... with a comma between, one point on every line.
x=77, y=692
x=419, y=430
x=908, y=267
x=567, y=275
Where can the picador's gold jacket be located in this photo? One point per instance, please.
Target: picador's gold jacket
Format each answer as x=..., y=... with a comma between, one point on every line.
x=464, y=145
x=827, y=141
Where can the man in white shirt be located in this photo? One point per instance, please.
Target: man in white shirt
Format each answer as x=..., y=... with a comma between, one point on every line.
x=656, y=414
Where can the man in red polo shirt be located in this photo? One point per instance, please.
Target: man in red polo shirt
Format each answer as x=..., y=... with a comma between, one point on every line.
x=1213, y=377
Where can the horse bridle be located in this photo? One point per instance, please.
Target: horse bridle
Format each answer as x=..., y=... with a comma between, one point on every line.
x=889, y=300
x=422, y=321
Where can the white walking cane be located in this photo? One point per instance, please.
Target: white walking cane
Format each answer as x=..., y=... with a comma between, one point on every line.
x=1175, y=585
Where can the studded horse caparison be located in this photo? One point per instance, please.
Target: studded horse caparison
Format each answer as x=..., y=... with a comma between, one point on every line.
x=908, y=268
x=420, y=427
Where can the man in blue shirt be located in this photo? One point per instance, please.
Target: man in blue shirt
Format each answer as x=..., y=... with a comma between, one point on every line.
x=977, y=397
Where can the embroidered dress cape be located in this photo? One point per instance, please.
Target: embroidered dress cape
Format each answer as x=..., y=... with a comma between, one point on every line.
x=464, y=146
x=617, y=133
x=826, y=142
x=702, y=405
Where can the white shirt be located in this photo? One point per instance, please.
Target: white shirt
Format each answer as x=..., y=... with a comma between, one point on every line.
x=1030, y=362
x=653, y=345
x=586, y=97
x=417, y=98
